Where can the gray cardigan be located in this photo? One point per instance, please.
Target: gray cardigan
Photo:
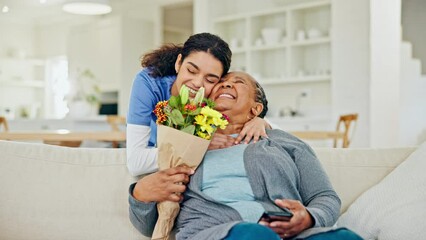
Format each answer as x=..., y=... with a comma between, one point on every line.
x=281, y=166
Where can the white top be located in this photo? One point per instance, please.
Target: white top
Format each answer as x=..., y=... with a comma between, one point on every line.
x=141, y=159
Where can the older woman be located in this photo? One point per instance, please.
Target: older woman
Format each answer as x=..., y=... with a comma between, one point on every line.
x=232, y=188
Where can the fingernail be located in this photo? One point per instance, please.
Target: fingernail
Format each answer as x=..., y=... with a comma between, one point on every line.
x=273, y=224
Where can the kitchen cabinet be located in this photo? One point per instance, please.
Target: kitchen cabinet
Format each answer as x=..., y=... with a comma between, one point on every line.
x=22, y=87
x=286, y=45
x=22, y=72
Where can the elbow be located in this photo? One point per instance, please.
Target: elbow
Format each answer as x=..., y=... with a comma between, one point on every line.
x=139, y=225
x=132, y=172
x=132, y=169
x=132, y=166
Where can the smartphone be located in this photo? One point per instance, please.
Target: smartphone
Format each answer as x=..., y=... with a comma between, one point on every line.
x=270, y=216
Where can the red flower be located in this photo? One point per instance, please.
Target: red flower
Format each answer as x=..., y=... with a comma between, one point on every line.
x=189, y=107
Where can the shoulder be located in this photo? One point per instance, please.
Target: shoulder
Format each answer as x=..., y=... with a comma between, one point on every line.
x=146, y=87
x=287, y=140
x=278, y=134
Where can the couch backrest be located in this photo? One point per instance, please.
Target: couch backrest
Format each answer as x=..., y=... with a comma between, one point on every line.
x=353, y=171
x=51, y=192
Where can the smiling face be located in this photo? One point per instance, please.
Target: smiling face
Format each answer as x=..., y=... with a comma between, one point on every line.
x=198, y=69
x=235, y=96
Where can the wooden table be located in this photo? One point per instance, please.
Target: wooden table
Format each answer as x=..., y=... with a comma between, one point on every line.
x=64, y=135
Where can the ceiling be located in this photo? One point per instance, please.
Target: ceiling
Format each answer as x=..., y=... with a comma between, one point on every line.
x=36, y=12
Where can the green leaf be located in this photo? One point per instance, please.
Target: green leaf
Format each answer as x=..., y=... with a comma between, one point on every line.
x=174, y=102
x=199, y=96
x=189, y=129
x=209, y=102
x=176, y=117
x=189, y=120
x=184, y=94
x=195, y=112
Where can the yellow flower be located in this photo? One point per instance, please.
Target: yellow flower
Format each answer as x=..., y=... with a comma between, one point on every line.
x=220, y=122
x=206, y=127
x=210, y=112
x=200, y=119
x=203, y=135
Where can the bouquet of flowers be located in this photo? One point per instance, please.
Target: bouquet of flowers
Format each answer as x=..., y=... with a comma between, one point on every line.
x=185, y=128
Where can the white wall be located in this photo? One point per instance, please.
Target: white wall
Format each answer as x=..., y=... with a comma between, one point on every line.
x=51, y=40
x=16, y=36
x=413, y=99
x=137, y=39
x=97, y=46
x=366, y=68
x=385, y=16
x=351, y=64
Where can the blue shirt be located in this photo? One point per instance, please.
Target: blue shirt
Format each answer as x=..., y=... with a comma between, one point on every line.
x=225, y=180
x=147, y=91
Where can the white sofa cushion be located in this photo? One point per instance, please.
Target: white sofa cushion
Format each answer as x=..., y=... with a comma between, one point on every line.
x=51, y=192
x=360, y=169
x=396, y=207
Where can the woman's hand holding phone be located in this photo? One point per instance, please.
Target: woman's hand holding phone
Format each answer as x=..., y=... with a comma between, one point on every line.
x=300, y=220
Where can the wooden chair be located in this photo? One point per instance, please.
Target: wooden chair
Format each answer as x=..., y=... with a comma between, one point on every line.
x=343, y=130
x=346, y=122
x=3, y=122
x=115, y=121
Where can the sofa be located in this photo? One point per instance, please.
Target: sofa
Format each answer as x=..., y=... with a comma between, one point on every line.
x=53, y=192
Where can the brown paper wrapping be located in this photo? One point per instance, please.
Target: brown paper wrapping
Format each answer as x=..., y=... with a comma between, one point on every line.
x=175, y=148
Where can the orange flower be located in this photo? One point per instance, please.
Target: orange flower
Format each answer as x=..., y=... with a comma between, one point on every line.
x=159, y=111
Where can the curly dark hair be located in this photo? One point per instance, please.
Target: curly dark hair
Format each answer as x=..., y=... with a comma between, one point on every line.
x=261, y=98
x=162, y=61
